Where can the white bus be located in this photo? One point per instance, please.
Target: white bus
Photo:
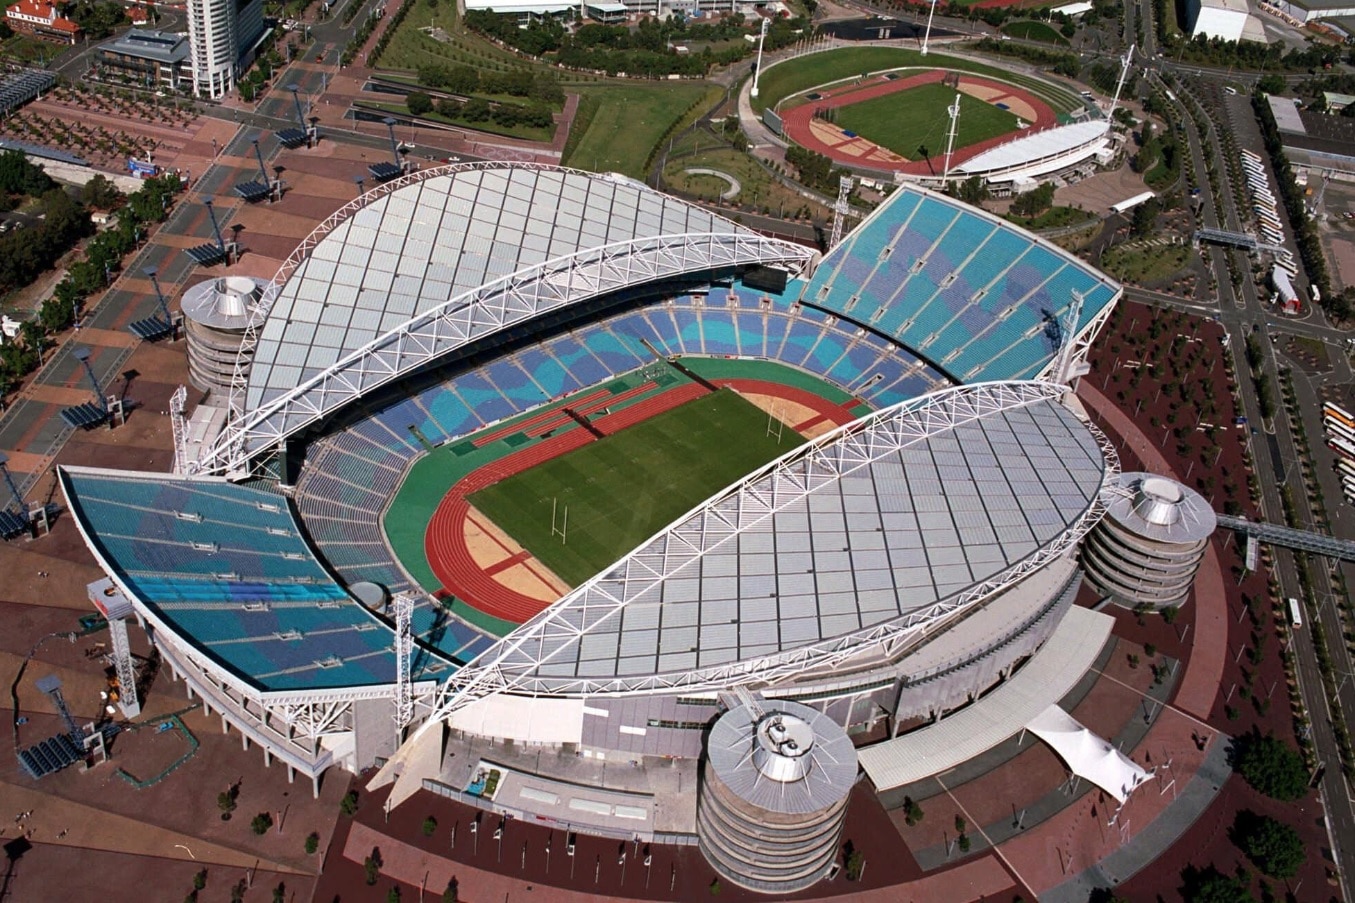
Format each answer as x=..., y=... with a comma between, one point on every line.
x=1340, y=431
x=1332, y=410
x=1345, y=468
x=1342, y=447
x=1295, y=613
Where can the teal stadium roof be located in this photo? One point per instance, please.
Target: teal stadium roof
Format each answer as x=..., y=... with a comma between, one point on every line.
x=224, y=566
x=969, y=292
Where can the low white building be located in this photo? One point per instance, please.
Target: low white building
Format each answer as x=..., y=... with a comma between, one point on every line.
x=1224, y=19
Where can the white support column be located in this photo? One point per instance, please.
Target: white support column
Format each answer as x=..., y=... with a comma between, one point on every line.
x=291, y=774
x=267, y=758
x=315, y=786
x=125, y=666
x=244, y=741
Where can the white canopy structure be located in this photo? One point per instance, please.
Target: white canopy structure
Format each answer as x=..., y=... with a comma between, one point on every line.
x=1087, y=755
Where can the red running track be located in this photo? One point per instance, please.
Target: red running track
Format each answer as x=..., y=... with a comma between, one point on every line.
x=797, y=119
x=445, y=538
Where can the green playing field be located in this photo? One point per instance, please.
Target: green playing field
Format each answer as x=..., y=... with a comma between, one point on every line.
x=906, y=120
x=624, y=488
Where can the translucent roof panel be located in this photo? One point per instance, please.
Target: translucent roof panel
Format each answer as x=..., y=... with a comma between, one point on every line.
x=954, y=494
x=413, y=249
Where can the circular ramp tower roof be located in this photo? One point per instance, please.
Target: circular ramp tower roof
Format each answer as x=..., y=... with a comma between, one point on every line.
x=773, y=795
x=1148, y=547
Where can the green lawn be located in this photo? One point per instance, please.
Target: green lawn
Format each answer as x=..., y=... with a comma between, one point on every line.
x=907, y=119
x=793, y=76
x=623, y=489
x=1035, y=31
x=622, y=124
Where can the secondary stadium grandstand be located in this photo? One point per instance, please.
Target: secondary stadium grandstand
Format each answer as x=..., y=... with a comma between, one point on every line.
x=875, y=482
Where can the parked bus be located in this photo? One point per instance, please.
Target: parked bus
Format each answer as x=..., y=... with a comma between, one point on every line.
x=1345, y=468
x=1295, y=613
x=1339, y=430
x=1342, y=447
x=1336, y=412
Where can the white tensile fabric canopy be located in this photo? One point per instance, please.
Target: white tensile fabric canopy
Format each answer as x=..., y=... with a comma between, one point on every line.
x=1087, y=755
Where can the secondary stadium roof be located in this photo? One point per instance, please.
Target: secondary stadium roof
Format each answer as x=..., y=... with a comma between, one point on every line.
x=1029, y=150
x=860, y=539
x=420, y=267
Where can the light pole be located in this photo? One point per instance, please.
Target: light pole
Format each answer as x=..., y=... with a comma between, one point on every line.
x=498, y=835
x=757, y=67
x=927, y=35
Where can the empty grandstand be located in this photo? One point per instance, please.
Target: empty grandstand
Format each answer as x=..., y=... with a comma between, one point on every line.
x=914, y=551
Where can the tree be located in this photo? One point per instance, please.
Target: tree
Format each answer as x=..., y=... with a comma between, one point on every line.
x=912, y=812
x=200, y=879
x=312, y=843
x=1270, y=766
x=1212, y=886
x=1271, y=83
x=453, y=892
x=280, y=893
x=372, y=865
x=261, y=823
x=856, y=864
x=1272, y=846
x=393, y=895
x=225, y=801
x=349, y=804
x=1144, y=219
x=101, y=193
x=973, y=190
x=419, y=103
x=430, y=824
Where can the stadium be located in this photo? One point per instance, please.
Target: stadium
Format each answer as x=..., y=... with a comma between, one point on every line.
x=1011, y=130
x=522, y=458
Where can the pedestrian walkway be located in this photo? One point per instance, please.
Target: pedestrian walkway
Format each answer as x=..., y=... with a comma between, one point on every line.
x=1300, y=540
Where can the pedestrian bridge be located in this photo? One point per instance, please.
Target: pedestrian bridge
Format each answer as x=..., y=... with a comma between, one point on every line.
x=1300, y=540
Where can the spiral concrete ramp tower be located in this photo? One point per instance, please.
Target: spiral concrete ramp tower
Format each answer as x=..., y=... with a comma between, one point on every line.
x=773, y=795
x=215, y=313
x=1148, y=547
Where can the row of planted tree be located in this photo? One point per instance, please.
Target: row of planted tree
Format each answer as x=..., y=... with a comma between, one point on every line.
x=26, y=253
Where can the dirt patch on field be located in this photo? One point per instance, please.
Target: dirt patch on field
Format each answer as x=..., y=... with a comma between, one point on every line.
x=500, y=556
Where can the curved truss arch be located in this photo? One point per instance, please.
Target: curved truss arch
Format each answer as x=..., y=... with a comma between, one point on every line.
x=515, y=664
x=483, y=311
x=258, y=313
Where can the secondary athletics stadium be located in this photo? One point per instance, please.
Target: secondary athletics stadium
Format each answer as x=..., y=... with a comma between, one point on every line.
x=529, y=454
x=886, y=112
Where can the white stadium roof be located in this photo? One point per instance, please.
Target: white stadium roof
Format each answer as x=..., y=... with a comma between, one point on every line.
x=1043, y=145
x=414, y=270
x=859, y=540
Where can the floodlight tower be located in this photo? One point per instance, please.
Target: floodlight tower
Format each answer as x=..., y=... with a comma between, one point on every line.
x=757, y=67
x=395, y=145
x=1119, y=85
x=954, y=111
x=151, y=273
x=927, y=35
x=296, y=100
x=227, y=250
x=840, y=210
x=1064, y=361
x=179, y=426
x=404, y=655
x=81, y=354
x=9, y=481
